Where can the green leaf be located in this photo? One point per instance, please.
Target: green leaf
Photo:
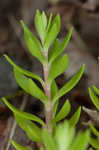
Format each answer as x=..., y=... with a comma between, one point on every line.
x=33, y=44
x=57, y=21
x=33, y=37
x=93, y=129
x=36, y=92
x=96, y=90
x=64, y=111
x=39, y=20
x=25, y=115
x=81, y=141
x=41, y=148
x=58, y=67
x=33, y=134
x=48, y=140
x=44, y=19
x=90, y=148
x=19, y=147
x=55, y=107
x=58, y=47
x=64, y=136
x=52, y=33
x=29, y=86
x=32, y=131
x=54, y=50
x=25, y=72
x=70, y=84
x=54, y=89
x=75, y=118
x=22, y=80
x=49, y=23
x=94, y=98
x=94, y=143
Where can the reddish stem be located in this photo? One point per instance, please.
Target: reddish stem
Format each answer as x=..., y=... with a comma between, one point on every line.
x=48, y=107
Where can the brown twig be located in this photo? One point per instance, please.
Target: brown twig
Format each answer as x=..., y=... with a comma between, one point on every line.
x=22, y=107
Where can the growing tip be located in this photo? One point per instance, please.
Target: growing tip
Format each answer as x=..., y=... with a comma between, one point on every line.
x=22, y=22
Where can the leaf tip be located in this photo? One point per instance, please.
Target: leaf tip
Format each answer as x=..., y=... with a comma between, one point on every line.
x=89, y=89
x=79, y=108
x=83, y=66
x=22, y=22
x=37, y=11
x=3, y=99
x=5, y=55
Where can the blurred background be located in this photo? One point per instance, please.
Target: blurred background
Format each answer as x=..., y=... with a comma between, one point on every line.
x=82, y=15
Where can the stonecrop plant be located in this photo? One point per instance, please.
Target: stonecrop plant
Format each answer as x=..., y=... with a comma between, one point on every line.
x=48, y=49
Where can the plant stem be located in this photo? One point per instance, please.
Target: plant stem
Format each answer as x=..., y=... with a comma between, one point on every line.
x=46, y=85
x=48, y=116
x=47, y=89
